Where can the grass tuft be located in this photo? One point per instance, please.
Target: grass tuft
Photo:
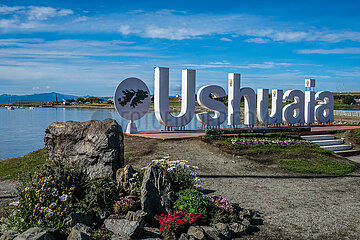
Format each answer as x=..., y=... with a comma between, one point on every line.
x=320, y=166
x=11, y=168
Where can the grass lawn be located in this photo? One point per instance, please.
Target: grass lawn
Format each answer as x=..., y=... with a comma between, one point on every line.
x=354, y=135
x=12, y=167
x=303, y=158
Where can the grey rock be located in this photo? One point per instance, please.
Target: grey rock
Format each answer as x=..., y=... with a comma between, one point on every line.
x=184, y=236
x=197, y=232
x=95, y=145
x=101, y=216
x=150, y=233
x=81, y=232
x=38, y=234
x=87, y=218
x=211, y=233
x=118, y=237
x=126, y=179
x=156, y=192
x=223, y=230
x=139, y=216
x=8, y=237
x=124, y=227
x=237, y=229
x=246, y=223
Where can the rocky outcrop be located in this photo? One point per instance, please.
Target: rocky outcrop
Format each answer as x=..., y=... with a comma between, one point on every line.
x=95, y=145
x=126, y=179
x=156, y=192
x=38, y=234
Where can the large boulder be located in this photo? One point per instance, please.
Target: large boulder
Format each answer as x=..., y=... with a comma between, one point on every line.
x=96, y=145
x=156, y=192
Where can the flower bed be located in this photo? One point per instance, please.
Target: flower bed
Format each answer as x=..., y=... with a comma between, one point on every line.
x=51, y=197
x=265, y=141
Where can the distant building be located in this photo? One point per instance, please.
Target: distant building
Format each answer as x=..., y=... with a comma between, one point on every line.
x=65, y=102
x=357, y=101
x=110, y=101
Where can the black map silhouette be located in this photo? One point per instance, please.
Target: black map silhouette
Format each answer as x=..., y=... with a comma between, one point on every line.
x=136, y=97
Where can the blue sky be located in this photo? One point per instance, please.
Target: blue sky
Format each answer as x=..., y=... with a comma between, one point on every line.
x=88, y=47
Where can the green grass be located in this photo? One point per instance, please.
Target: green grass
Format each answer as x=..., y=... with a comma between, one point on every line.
x=302, y=158
x=342, y=106
x=322, y=165
x=355, y=135
x=12, y=167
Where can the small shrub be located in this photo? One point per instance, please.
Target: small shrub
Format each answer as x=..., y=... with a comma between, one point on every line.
x=124, y=205
x=217, y=215
x=222, y=210
x=222, y=203
x=191, y=201
x=181, y=179
x=99, y=194
x=172, y=225
x=139, y=176
x=45, y=197
x=182, y=175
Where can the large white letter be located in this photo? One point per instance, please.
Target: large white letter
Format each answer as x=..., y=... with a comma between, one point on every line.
x=249, y=105
x=234, y=99
x=324, y=112
x=294, y=112
x=263, y=106
x=204, y=100
x=309, y=106
x=161, y=98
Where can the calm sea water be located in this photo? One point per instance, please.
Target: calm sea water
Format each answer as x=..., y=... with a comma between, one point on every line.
x=23, y=130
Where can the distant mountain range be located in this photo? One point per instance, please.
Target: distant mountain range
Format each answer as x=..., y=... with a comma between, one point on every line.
x=41, y=97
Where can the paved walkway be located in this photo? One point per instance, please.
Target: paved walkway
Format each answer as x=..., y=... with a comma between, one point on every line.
x=160, y=134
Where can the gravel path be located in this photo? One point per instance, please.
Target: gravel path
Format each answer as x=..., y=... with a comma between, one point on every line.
x=293, y=206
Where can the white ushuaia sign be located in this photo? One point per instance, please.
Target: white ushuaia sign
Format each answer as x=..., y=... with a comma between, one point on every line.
x=132, y=101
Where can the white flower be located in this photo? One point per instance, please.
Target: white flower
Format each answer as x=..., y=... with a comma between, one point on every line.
x=64, y=197
x=52, y=205
x=14, y=203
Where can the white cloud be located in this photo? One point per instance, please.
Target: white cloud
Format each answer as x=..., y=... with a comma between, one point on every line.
x=265, y=65
x=81, y=19
x=125, y=29
x=7, y=23
x=169, y=11
x=136, y=11
x=43, y=13
x=298, y=36
x=8, y=10
x=65, y=12
x=35, y=88
x=257, y=40
x=329, y=51
x=172, y=25
x=225, y=39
